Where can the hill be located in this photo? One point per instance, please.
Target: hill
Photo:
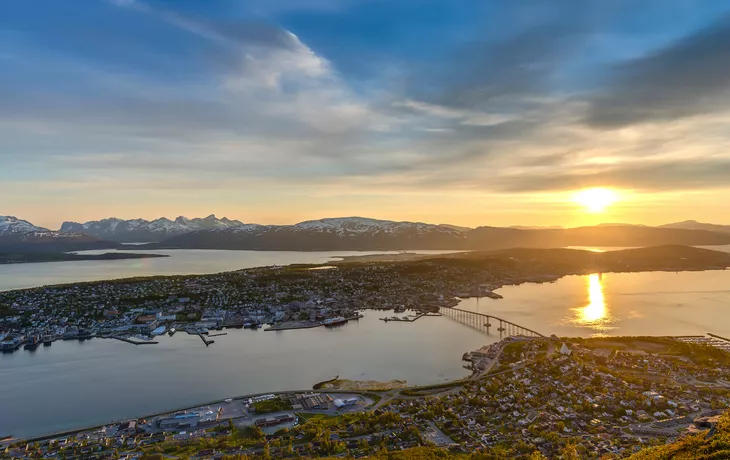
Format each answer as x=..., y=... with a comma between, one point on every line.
x=694, y=225
x=714, y=445
x=141, y=230
x=360, y=234
x=20, y=236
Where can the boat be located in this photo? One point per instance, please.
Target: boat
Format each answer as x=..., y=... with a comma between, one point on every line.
x=336, y=321
x=171, y=332
x=32, y=343
x=83, y=335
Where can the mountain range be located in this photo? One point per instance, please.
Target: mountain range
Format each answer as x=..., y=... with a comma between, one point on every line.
x=694, y=225
x=17, y=235
x=344, y=233
x=141, y=230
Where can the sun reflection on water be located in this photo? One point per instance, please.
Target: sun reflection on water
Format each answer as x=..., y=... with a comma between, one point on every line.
x=596, y=314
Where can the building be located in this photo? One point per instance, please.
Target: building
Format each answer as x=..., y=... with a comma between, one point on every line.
x=181, y=420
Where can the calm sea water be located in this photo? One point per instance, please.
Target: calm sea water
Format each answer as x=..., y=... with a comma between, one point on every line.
x=653, y=303
x=73, y=384
x=179, y=262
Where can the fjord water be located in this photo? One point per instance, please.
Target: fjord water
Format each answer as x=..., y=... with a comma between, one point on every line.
x=649, y=303
x=179, y=262
x=74, y=384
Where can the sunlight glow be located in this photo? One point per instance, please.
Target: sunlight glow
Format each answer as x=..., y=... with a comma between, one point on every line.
x=595, y=199
x=595, y=311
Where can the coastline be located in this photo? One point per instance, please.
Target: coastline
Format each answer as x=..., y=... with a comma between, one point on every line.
x=35, y=258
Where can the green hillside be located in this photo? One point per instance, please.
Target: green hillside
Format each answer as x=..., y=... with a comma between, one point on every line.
x=695, y=447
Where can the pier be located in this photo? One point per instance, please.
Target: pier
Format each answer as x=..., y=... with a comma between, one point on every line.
x=205, y=341
x=134, y=342
x=407, y=319
x=484, y=323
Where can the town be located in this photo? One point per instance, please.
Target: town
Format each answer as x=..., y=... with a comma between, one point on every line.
x=597, y=398
x=283, y=297
x=298, y=296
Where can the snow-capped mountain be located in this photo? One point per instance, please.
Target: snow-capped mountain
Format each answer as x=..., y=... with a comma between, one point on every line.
x=13, y=225
x=141, y=230
x=363, y=234
x=17, y=235
x=357, y=225
x=342, y=233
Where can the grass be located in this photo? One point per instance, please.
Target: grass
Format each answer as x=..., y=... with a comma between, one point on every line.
x=312, y=417
x=271, y=405
x=694, y=447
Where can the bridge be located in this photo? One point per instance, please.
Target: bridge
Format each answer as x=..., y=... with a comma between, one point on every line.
x=484, y=323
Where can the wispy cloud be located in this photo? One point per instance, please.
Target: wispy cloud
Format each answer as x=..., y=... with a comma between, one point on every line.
x=508, y=108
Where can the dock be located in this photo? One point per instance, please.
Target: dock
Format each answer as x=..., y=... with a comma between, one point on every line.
x=288, y=325
x=205, y=341
x=718, y=337
x=216, y=335
x=134, y=342
x=407, y=319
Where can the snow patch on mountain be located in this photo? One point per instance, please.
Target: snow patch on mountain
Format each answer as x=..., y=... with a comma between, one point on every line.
x=136, y=230
x=13, y=225
x=359, y=225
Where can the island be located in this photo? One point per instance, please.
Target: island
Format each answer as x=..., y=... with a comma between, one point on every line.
x=34, y=257
x=304, y=296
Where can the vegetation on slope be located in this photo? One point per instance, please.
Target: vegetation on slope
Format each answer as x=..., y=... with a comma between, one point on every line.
x=701, y=446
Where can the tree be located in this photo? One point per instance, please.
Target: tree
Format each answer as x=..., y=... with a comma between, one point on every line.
x=569, y=452
x=151, y=457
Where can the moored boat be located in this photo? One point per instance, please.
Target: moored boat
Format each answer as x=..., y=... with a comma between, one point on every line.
x=336, y=321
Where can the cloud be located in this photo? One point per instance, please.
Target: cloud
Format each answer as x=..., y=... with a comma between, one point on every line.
x=490, y=114
x=686, y=78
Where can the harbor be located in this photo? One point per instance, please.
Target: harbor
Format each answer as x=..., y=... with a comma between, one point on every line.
x=329, y=322
x=408, y=319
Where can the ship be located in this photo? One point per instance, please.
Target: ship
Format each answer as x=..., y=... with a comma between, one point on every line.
x=336, y=321
x=172, y=331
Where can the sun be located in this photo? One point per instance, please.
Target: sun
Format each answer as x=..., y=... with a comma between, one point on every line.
x=595, y=199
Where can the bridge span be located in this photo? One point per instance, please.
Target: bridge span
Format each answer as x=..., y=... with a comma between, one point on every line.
x=484, y=323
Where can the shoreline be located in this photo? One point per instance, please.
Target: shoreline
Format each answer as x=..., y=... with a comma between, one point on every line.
x=51, y=435
x=344, y=260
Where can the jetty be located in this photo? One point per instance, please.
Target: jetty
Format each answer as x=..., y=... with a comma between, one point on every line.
x=288, y=325
x=409, y=319
x=134, y=342
x=205, y=341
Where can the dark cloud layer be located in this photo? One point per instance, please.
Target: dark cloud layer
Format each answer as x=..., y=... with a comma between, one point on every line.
x=689, y=77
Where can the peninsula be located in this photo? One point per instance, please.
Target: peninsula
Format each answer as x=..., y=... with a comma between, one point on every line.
x=33, y=257
x=299, y=296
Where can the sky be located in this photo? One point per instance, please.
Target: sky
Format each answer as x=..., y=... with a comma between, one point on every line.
x=469, y=112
